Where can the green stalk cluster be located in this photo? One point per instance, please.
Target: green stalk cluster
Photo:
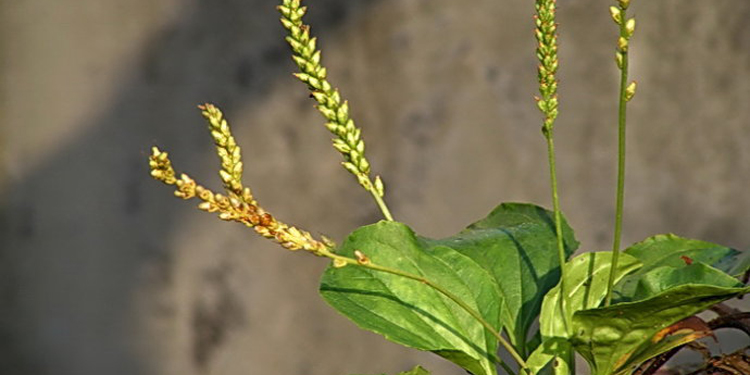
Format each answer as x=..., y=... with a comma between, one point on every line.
x=546, y=52
x=348, y=139
x=627, y=91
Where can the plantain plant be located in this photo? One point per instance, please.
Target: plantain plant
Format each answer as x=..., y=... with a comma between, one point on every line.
x=468, y=296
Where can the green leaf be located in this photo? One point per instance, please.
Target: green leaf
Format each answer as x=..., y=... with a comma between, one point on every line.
x=741, y=265
x=617, y=338
x=419, y=370
x=585, y=286
x=517, y=244
x=409, y=312
x=674, y=251
x=663, y=278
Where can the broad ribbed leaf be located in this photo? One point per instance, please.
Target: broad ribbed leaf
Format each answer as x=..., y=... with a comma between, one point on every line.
x=677, y=252
x=617, y=338
x=663, y=278
x=517, y=244
x=409, y=312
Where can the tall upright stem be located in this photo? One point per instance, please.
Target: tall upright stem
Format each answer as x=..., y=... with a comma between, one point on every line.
x=617, y=238
x=627, y=27
x=558, y=218
x=546, y=35
x=381, y=203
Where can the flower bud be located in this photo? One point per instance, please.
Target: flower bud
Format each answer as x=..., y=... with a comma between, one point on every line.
x=622, y=44
x=630, y=91
x=630, y=27
x=379, y=187
x=616, y=14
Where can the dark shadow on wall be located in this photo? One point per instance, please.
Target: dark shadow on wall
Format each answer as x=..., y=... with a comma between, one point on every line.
x=77, y=231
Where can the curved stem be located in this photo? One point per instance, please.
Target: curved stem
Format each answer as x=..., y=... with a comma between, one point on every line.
x=621, y=122
x=517, y=357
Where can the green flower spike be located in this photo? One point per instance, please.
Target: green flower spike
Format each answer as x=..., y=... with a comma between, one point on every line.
x=546, y=52
x=348, y=139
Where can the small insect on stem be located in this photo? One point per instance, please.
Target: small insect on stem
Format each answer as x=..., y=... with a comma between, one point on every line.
x=361, y=257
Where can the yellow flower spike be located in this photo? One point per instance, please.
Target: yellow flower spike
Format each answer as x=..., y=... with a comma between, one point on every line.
x=161, y=166
x=238, y=205
x=229, y=152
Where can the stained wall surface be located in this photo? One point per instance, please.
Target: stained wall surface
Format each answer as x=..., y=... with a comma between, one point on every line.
x=103, y=272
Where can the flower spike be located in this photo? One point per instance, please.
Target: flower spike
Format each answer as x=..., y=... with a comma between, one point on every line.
x=238, y=204
x=348, y=139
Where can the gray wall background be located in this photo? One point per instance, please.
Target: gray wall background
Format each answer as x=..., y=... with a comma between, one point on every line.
x=103, y=272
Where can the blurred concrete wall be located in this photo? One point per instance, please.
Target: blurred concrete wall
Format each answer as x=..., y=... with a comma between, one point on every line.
x=103, y=272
